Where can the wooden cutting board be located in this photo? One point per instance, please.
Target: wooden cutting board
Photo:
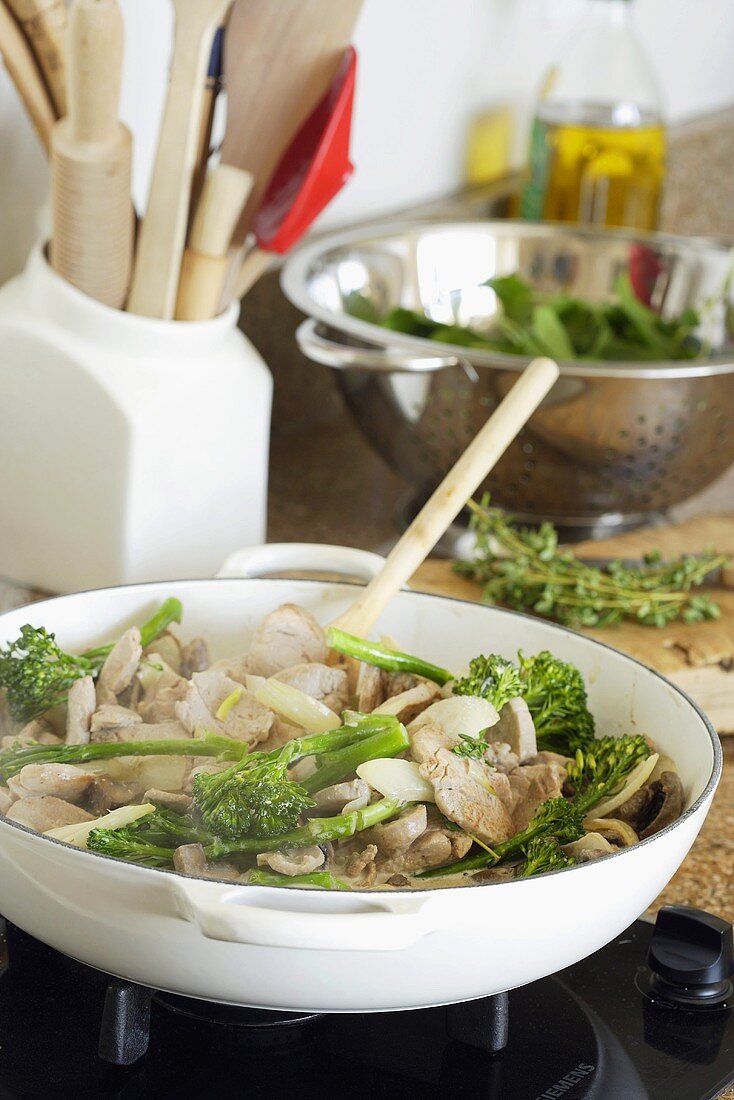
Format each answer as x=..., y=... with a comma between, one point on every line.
x=699, y=657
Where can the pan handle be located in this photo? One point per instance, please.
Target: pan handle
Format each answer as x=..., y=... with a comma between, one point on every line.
x=319, y=345
x=315, y=920
x=302, y=557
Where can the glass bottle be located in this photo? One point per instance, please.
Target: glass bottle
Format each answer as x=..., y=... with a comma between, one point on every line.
x=597, y=146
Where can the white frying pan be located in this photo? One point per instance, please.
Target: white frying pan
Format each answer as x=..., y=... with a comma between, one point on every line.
x=309, y=949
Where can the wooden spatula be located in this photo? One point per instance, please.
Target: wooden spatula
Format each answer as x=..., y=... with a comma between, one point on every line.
x=280, y=57
x=450, y=497
x=163, y=232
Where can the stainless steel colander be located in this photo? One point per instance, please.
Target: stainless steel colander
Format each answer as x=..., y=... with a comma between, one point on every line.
x=612, y=444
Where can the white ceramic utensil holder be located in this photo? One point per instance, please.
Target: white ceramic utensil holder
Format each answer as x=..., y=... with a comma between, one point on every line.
x=130, y=449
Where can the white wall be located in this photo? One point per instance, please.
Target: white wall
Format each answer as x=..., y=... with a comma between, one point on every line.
x=426, y=66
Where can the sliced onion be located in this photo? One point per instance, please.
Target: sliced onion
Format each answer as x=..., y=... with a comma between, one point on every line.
x=620, y=829
x=400, y=779
x=636, y=779
x=165, y=773
x=115, y=819
x=592, y=842
x=664, y=764
x=460, y=714
x=297, y=707
x=227, y=704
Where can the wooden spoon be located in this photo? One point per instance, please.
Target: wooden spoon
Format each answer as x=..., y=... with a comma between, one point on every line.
x=23, y=71
x=451, y=496
x=43, y=23
x=280, y=57
x=163, y=232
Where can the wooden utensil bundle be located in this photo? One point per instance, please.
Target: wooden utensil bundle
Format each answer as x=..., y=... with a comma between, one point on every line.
x=280, y=59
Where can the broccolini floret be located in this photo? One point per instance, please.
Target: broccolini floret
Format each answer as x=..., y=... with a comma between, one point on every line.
x=555, y=693
x=493, y=678
x=254, y=797
x=604, y=766
x=36, y=673
x=542, y=855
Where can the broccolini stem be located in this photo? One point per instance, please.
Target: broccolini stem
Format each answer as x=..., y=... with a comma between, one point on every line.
x=170, y=611
x=323, y=879
x=337, y=765
x=388, y=659
x=319, y=744
x=319, y=830
x=12, y=760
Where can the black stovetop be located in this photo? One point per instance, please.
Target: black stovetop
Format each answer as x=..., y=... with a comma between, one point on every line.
x=588, y=1033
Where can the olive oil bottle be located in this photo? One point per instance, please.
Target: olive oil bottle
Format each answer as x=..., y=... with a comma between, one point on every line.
x=597, y=145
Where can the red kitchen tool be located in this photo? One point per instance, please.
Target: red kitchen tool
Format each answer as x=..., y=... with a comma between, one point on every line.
x=311, y=172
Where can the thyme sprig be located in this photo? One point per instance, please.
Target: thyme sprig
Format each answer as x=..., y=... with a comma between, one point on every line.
x=524, y=568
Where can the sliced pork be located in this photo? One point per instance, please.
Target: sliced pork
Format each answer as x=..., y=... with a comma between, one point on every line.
x=120, y=667
x=328, y=685
x=44, y=811
x=287, y=636
x=80, y=706
x=245, y=719
x=61, y=780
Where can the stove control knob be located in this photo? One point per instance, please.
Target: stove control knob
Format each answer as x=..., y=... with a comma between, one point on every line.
x=691, y=957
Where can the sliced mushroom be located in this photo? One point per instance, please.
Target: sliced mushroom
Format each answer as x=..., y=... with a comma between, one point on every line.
x=190, y=859
x=332, y=800
x=299, y=861
x=6, y=800
x=654, y=806
x=589, y=847
x=410, y=703
x=398, y=835
x=516, y=728
x=361, y=865
x=668, y=803
x=170, y=800
x=194, y=657
x=107, y=794
x=612, y=829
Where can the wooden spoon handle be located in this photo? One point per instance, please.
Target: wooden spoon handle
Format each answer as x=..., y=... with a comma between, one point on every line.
x=43, y=23
x=451, y=495
x=163, y=232
x=205, y=262
x=23, y=71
